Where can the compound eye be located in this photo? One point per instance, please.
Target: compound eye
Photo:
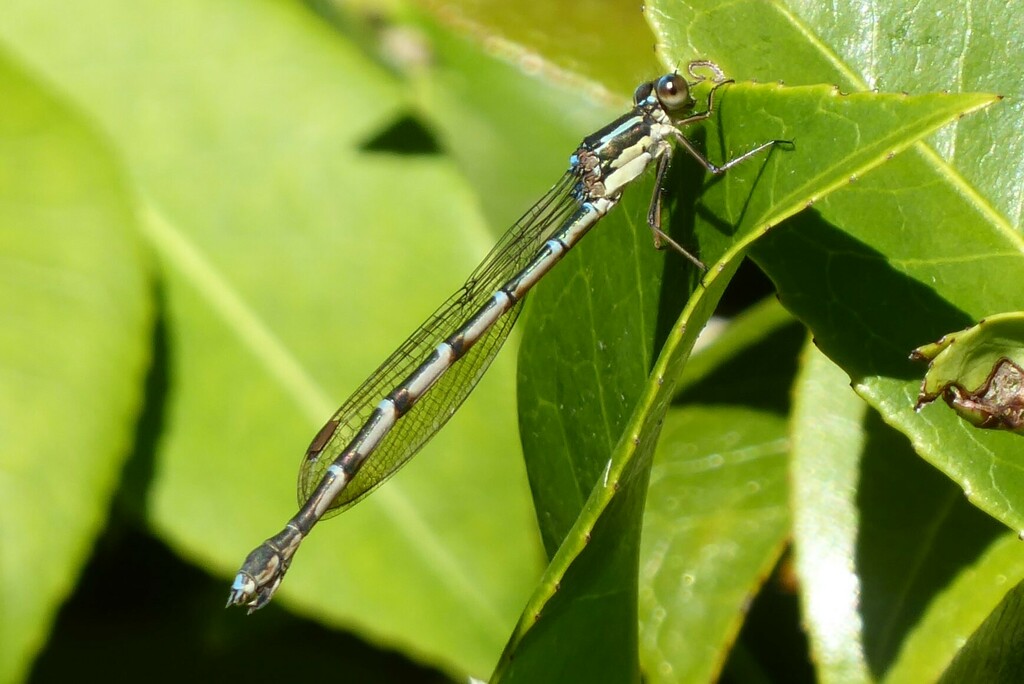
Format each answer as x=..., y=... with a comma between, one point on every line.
x=673, y=92
x=642, y=92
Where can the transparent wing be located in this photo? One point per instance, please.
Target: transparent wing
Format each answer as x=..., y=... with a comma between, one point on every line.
x=511, y=254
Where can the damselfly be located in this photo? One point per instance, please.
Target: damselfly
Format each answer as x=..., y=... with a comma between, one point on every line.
x=420, y=386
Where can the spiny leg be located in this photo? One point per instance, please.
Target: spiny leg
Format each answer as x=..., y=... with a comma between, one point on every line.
x=706, y=163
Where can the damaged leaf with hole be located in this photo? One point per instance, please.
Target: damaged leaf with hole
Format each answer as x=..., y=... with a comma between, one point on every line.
x=979, y=372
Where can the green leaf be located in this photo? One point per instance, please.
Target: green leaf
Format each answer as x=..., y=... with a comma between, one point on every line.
x=75, y=316
x=909, y=252
x=899, y=290
x=904, y=45
x=902, y=252
x=912, y=250
x=714, y=526
x=717, y=515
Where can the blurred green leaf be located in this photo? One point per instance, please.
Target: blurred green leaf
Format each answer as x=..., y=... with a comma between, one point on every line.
x=717, y=513
x=714, y=527
x=509, y=154
x=75, y=306
x=292, y=263
x=604, y=41
x=828, y=443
